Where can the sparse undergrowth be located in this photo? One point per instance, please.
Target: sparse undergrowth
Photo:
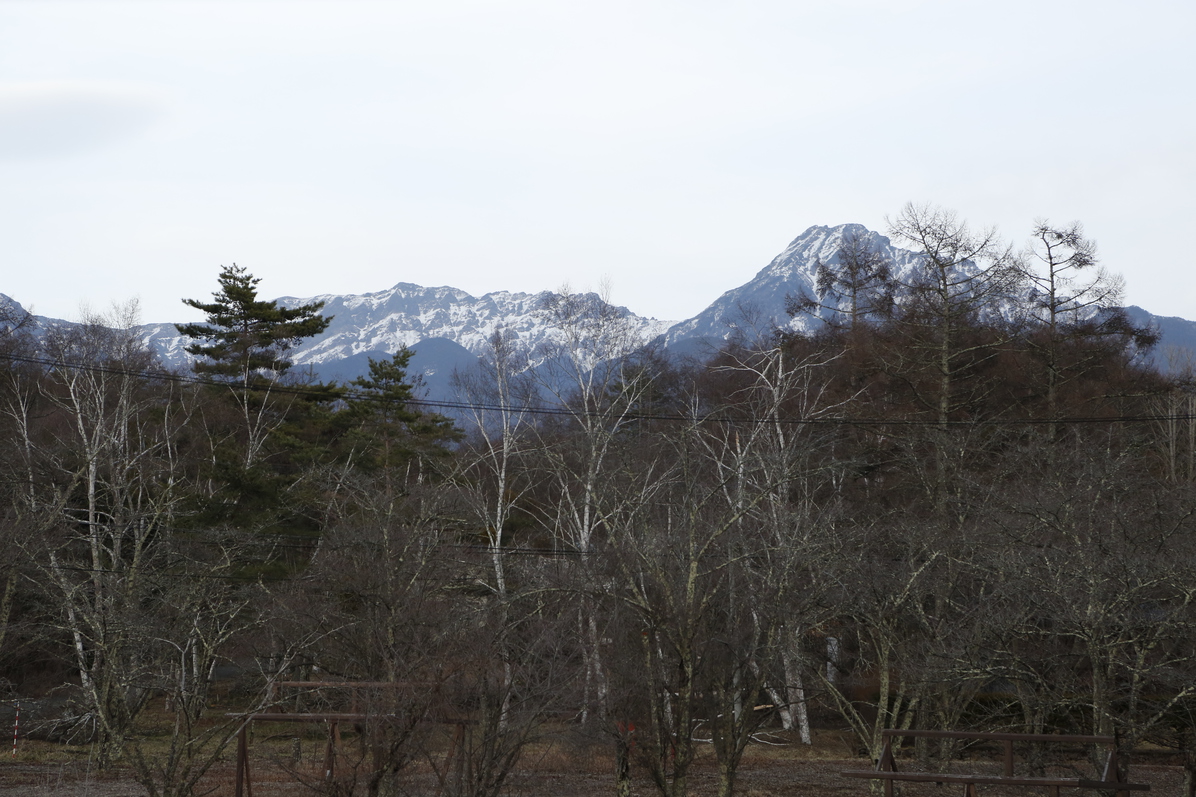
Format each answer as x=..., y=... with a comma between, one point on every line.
x=561, y=765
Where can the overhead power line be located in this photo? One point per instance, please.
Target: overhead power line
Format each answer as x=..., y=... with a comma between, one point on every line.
x=349, y=393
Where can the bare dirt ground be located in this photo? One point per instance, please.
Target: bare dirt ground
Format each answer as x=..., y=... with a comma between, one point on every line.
x=43, y=770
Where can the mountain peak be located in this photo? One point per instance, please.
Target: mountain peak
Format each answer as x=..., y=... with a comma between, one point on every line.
x=821, y=243
x=758, y=307
x=377, y=324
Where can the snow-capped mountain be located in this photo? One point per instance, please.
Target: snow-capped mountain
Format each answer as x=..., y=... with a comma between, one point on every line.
x=407, y=314
x=449, y=328
x=758, y=307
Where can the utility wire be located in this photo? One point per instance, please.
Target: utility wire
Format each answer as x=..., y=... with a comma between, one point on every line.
x=348, y=393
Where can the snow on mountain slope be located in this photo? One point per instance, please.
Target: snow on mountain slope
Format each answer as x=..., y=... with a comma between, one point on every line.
x=454, y=327
x=757, y=307
x=378, y=324
x=407, y=314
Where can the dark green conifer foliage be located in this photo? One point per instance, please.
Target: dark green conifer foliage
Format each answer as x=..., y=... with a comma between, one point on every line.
x=388, y=428
x=245, y=338
x=261, y=440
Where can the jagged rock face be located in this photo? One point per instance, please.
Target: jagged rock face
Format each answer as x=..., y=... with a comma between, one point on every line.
x=380, y=323
x=455, y=327
x=757, y=307
x=407, y=314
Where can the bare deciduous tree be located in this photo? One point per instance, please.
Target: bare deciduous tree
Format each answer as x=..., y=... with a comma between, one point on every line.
x=115, y=494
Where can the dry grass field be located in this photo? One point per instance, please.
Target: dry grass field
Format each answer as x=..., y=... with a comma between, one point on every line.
x=558, y=767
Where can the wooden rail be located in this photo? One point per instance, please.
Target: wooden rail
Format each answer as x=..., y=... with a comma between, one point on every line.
x=1112, y=779
x=244, y=784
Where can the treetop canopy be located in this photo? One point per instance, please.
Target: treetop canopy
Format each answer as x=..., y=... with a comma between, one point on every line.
x=243, y=335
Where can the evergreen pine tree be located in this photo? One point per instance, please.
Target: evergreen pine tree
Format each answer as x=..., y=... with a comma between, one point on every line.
x=260, y=449
x=245, y=338
x=394, y=432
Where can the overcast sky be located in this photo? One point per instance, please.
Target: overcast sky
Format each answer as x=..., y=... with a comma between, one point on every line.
x=670, y=148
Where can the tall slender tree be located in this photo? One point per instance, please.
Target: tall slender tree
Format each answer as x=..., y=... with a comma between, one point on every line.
x=963, y=280
x=853, y=287
x=1077, y=323
x=244, y=339
x=244, y=344
x=389, y=432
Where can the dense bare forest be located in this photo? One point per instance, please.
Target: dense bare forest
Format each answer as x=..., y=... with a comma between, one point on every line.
x=965, y=503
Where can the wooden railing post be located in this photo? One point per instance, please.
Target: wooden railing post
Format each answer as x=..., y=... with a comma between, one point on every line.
x=330, y=750
x=243, y=763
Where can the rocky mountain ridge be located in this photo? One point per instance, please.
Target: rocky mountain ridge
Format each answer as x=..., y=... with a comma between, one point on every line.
x=449, y=328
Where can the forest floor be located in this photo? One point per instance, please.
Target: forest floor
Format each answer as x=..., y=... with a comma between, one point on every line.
x=556, y=769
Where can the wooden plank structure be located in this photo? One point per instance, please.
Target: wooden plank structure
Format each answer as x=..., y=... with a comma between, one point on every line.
x=1112, y=779
x=244, y=784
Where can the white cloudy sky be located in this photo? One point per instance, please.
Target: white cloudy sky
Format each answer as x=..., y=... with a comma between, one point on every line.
x=671, y=147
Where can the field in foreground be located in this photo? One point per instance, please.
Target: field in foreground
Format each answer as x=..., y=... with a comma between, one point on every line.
x=552, y=770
